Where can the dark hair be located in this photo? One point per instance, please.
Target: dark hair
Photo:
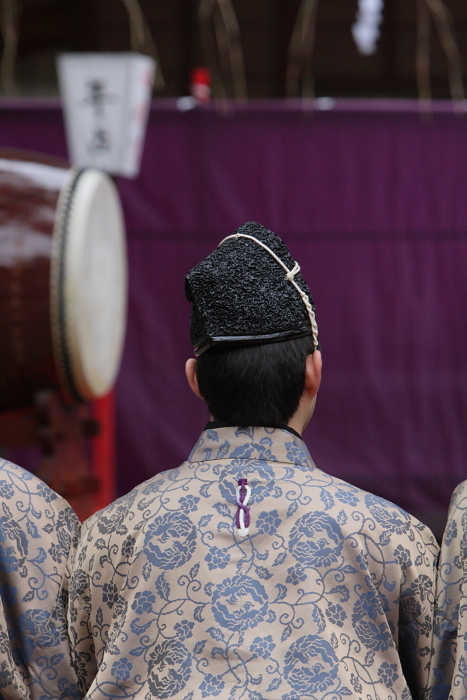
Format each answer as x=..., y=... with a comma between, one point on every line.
x=255, y=385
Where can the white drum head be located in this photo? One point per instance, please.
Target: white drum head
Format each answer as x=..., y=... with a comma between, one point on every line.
x=88, y=284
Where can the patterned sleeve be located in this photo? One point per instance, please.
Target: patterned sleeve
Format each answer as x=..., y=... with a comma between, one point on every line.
x=416, y=613
x=38, y=538
x=449, y=667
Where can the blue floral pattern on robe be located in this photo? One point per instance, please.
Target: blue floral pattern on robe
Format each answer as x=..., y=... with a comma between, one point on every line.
x=38, y=538
x=330, y=595
x=448, y=678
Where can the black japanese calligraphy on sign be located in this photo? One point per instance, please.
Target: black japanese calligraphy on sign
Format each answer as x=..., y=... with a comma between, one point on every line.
x=100, y=142
x=97, y=96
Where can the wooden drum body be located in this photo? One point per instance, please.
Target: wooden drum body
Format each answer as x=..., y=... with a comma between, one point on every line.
x=63, y=280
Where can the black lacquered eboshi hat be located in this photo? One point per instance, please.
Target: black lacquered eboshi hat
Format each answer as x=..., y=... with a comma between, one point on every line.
x=249, y=291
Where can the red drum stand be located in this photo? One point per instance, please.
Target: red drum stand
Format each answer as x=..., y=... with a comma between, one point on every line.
x=74, y=447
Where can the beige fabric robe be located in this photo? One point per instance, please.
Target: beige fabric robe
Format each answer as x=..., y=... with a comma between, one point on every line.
x=168, y=601
x=449, y=665
x=38, y=538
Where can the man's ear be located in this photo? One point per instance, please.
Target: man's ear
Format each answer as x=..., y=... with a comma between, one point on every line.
x=313, y=366
x=190, y=371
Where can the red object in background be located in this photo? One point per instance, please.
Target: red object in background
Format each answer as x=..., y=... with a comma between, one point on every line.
x=200, y=84
x=103, y=449
x=73, y=446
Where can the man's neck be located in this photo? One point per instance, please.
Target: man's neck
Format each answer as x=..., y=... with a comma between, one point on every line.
x=215, y=424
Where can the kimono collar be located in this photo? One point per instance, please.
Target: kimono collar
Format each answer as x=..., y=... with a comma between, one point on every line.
x=251, y=443
x=215, y=424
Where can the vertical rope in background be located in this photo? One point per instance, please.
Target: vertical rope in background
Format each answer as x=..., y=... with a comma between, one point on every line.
x=235, y=48
x=9, y=17
x=300, y=78
x=444, y=25
x=208, y=40
x=423, y=51
x=141, y=38
x=222, y=48
x=308, y=44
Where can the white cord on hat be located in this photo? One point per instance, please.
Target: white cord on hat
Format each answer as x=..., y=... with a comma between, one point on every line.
x=289, y=276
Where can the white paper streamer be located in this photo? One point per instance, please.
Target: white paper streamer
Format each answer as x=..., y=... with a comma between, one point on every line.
x=366, y=31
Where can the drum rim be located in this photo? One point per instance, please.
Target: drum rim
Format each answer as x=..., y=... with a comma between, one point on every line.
x=58, y=315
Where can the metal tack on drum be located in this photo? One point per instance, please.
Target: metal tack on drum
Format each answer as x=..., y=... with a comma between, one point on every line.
x=63, y=280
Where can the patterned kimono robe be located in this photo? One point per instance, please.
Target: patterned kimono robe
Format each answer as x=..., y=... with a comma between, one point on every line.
x=449, y=665
x=329, y=596
x=38, y=537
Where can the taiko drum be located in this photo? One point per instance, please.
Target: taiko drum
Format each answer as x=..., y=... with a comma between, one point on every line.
x=63, y=280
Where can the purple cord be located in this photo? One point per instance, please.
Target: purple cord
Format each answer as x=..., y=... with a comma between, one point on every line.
x=242, y=483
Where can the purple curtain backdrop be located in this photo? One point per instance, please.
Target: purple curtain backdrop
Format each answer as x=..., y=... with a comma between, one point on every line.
x=371, y=199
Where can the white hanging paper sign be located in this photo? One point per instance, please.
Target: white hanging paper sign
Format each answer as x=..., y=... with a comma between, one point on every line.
x=106, y=99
